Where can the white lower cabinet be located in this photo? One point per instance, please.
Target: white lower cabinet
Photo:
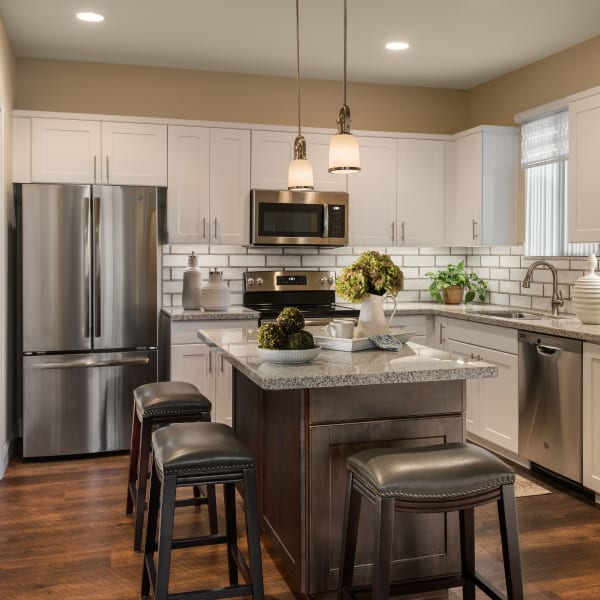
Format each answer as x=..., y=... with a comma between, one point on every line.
x=202, y=366
x=492, y=404
x=416, y=323
x=591, y=417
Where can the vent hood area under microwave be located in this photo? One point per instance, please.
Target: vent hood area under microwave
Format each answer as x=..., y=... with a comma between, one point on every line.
x=298, y=218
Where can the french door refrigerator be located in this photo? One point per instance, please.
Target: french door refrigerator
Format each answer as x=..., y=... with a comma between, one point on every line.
x=89, y=313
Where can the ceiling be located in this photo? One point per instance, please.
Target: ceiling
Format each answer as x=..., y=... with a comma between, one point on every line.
x=454, y=43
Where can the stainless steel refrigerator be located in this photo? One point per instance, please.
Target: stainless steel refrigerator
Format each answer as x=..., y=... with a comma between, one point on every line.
x=89, y=313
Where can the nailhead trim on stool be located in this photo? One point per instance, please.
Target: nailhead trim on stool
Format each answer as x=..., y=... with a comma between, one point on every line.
x=187, y=454
x=442, y=478
x=157, y=404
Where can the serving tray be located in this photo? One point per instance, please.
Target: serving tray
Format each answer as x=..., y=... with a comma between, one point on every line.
x=355, y=344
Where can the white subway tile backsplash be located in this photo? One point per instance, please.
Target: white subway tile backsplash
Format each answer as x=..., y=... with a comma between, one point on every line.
x=402, y=250
x=500, y=250
x=214, y=260
x=490, y=261
x=436, y=251
x=419, y=261
x=535, y=289
x=249, y=260
x=481, y=250
x=175, y=260
x=188, y=249
x=517, y=274
x=473, y=261
x=540, y=303
x=284, y=261
x=517, y=250
x=265, y=250
x=318, y=261
x=502, y=299
x=444, y=260
x=499, y=274
x=412, y=272
x=172, y=287
x=228, y=250
x=520, y=301
x=510, y=261
x=509, y=287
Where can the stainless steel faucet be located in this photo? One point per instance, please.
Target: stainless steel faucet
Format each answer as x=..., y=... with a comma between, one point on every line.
x=557, y=299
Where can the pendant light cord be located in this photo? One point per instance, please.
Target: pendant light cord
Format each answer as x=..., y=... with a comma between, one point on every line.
x=298, y=60
x=345, y=44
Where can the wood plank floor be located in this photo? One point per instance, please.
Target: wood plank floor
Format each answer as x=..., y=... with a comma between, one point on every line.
x=64, y=535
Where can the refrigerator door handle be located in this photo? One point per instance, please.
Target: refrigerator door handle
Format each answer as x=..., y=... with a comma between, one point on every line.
x=86, y=266
x=97, y=271
x=91, y=363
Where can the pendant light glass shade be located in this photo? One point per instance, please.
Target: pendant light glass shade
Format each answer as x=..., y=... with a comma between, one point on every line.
x=300, y=172
x=344, y=154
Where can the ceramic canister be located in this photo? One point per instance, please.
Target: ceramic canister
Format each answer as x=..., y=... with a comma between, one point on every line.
x=215, y=294
x=192, y=284
x=586, y=294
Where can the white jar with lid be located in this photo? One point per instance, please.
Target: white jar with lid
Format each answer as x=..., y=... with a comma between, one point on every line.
x=215, y=294
x=586, y=294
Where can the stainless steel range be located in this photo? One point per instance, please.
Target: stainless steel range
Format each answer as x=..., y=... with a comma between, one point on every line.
x=313, y=292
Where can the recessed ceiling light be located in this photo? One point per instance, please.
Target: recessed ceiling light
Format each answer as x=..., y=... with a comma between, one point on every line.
x=90, y=17
x=397, y=45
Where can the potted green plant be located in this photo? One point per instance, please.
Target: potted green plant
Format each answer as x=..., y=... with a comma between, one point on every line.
x=449, y=285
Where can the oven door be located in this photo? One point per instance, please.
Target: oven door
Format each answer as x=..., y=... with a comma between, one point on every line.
x=296, y=218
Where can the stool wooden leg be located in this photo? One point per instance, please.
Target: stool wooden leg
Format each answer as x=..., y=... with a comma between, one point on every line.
x=253, y=533
x=140, y=501
x=467, y=551
x=212, y=509
x=133, y=462
x=507, y=516
x=150, y=545
x=384, y=523
x=231, y=532
x=165, y=537
x=349, y=537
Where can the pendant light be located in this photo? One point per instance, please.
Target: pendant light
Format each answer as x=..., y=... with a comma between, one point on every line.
x=344, y=156
x=300, y=172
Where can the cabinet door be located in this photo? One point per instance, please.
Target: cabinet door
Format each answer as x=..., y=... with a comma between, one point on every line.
x=229, y=186
x=65, y=151
x=464, y=207
x=421, y=192
x=193, y=363
x=188, y=216
x=223, y=373
x=134, y=153
x=373, y=194
x=584, y=175
x=437, y=332
x=591, y=417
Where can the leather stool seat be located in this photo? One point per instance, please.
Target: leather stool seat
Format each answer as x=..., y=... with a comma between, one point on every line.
x=199, y=448
x=191, y=454
x=430, y=473
x=431, y=479
x=155, y=405
x=164, y=398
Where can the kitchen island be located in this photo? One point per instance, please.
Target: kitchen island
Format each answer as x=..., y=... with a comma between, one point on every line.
x=302, y=421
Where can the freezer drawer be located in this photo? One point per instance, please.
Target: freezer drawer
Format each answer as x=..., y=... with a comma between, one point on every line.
x=81, y=403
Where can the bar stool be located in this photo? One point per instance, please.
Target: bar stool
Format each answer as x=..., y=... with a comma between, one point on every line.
x=442, y=478
x=157, y=404
x=193, y=454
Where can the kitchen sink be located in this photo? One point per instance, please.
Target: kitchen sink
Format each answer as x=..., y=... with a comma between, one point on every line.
x=510, y=314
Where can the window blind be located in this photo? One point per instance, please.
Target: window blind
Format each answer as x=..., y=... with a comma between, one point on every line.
x=544, y=158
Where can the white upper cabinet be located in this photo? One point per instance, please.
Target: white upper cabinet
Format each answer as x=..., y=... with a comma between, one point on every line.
x=584, y=175
x=481, y=184
x=79, y=151
x=21, y=149
x=421, y=192
x=65, y=151
x=208, y=198
x=271, y=155
x=372, y=194
x=134, y=154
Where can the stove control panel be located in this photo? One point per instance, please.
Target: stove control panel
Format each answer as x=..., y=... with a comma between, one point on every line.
x=292, y=281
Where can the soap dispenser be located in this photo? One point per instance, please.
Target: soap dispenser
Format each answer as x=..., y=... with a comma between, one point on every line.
x=192, y=284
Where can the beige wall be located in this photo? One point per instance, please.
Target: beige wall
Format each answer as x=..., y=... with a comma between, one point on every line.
x=569, y=71
x=7, y=380
x=185, y=94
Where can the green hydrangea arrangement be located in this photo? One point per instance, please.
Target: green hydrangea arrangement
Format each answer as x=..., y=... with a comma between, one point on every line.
x=371, y=273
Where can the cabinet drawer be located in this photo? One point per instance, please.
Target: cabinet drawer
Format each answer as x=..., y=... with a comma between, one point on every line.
x=186, y=332
x=503, y=339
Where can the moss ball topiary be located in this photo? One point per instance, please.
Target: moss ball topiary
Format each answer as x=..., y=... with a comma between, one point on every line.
x=291, y=320
x=272, y=337
x=301, y=340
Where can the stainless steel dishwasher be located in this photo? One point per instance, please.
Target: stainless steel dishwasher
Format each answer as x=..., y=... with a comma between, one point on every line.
x=550, y=371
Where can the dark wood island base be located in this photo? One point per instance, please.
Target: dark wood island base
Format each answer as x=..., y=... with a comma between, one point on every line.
x=301, y=439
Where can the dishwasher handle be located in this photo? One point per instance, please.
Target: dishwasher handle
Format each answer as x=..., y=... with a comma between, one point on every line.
x=544, y=350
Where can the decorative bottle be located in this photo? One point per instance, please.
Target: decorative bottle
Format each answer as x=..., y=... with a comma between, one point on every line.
x=192, y=284
x=215, y=294
x=586, y=294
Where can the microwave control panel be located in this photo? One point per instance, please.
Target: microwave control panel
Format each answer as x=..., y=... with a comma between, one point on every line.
x=337, y=221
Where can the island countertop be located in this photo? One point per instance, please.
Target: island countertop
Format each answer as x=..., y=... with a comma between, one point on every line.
x=413, y=363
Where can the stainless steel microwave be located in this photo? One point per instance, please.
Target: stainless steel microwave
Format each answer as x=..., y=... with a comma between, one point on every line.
x=287, y=218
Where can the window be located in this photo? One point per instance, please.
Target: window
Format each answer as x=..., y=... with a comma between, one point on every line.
x=544, y=158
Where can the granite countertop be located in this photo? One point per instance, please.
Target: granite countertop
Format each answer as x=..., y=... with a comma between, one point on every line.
x=564, y=325
x=412, y=364
x=233, y=313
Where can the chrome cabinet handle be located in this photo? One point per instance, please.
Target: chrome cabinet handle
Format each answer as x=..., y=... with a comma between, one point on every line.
x=216, y=233
x=476, y=357
x=94, y=168
x=222, y=366
x=204, y=227
x=442, y=337
x=210, y=361
x=97, y=271
x=107, y=171
x=86, y=262
x=393, y=231
x=402, y=229
x=475, y=230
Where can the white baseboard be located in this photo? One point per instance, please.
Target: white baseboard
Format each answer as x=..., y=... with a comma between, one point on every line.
x=4, y=456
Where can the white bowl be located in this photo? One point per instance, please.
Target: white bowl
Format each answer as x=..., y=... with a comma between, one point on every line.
x=288, y=356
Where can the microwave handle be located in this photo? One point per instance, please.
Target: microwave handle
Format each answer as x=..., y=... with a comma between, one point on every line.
x=326, y=220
